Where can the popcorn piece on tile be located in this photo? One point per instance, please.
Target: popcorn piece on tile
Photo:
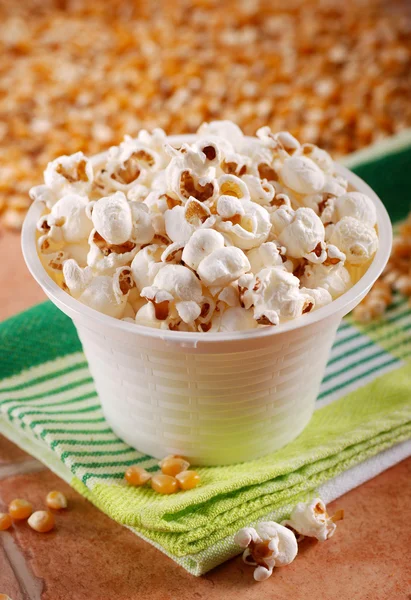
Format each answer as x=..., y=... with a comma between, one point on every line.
x=112, y=218
x=68, y=174
x=312, y=520
x=201, y=243
x=248, y=230
x=302, y=175
x=223, y=266
x=356, y=239
x=303, y=237
x=334, y=278
x=267, y=546
x=356, y=205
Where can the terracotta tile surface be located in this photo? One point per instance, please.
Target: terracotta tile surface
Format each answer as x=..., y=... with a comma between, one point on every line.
x=10, y=453
x=90, y=557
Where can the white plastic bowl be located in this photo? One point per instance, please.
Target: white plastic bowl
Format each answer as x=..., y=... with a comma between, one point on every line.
x=216, y=398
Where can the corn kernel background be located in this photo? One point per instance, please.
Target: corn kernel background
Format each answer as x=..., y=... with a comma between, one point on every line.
x=78, y=75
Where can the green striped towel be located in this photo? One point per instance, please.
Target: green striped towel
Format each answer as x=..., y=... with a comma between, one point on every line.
x=48, y=405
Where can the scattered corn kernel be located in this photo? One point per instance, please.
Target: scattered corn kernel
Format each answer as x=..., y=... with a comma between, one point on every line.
x=5, y=523
x=164, y=484
x=56, y=500
x=171, y=465
x=41, y=521
x=187, y=480
x=4, y=597
x=137, y=475
x=20, y=509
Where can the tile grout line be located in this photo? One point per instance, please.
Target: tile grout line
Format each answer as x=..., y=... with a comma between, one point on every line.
x=31, y=587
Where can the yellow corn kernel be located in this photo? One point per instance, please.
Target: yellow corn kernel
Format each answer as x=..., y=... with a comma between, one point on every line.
x=187, y=480
x=20, y=509
x=56, y=500
x=171, y=465
x=5, y=522
x=41, y=521
x=137, y=475
x=164, y=484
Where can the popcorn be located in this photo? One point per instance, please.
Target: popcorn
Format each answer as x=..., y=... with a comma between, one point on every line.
x=69, y=215
x=266, y=255
x=182, y=221
x=356, y=205
x=68, y=174
x=223, y=266
x=224, y=233
x=267, y=546
x=180, y=282
x=237, y=319
x=248, y=230
x=112, y=218
x=146, y=264
x=200, y=245
x=303, y=236
x=356, y=239
x=275, y=294
x=334, y=278
x=302, y=175
x=312, y=520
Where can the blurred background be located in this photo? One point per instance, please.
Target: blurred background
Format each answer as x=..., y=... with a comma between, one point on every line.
x=78, y=75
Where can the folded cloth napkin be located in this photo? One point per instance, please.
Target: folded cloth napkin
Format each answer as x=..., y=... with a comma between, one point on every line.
x=48, y=405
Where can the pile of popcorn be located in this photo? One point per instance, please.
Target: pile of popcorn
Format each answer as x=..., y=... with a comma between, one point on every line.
x=220, y=233
x=79, y=75
x=272, y=544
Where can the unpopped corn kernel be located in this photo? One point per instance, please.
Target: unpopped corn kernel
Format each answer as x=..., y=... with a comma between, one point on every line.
x=172, y=465
x=5, y=521
x=188, y=480
x=137, y=475
x=41, y=521
x=20, y=509
x=164, y=484
x=56, y=500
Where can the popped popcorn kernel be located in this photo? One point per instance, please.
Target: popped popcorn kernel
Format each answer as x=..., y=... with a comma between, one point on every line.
x=223, y=233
